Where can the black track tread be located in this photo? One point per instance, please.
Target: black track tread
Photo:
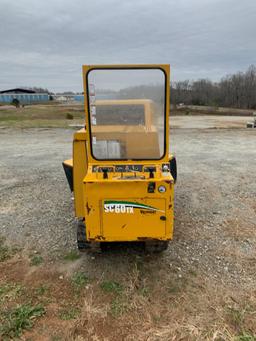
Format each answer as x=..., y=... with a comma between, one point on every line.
x=82, y=243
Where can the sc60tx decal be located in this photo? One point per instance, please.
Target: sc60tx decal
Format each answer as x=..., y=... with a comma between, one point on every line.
x=126, y=207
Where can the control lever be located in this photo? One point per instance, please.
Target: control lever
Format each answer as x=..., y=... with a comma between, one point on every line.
x=151, y=172
x=105, y=172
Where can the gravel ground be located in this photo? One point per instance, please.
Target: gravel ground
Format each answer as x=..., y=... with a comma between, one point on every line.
x=36, y=205
x=210, y=121
x=215, y=226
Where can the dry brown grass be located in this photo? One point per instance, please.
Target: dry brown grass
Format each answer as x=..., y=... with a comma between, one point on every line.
x=49, y=116
x=143, y=305
x=167, y=308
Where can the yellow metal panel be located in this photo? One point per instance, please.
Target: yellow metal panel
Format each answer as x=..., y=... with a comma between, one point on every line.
x=80, y=166
x=148, y=142
x=122, y=101
x=80, y=135
x=68, y=162
x=170, y=210
x=122, y=222
x=134, y=225
x=147, y=103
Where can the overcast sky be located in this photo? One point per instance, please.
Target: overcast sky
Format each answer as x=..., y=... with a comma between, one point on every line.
x=44, y=43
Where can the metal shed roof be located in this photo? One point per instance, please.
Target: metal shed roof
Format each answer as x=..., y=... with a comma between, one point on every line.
x=18, y=91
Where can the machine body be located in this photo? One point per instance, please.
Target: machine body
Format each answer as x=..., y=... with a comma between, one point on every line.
x=121, y=173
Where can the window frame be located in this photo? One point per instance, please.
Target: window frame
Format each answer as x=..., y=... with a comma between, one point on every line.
x=87, y=106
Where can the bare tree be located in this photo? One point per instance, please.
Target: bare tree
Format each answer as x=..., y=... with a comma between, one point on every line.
x=237, y=90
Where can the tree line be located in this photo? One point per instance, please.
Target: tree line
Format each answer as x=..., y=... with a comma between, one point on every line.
x=236, y=91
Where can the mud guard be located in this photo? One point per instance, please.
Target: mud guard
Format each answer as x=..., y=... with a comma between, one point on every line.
x=68, y=169
x=173, y=167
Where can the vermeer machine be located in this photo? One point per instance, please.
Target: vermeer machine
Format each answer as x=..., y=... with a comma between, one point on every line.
x=121, y=173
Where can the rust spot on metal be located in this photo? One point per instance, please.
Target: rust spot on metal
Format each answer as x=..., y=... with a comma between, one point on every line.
x=99, y=237
x=170, y=182
x=88, y=208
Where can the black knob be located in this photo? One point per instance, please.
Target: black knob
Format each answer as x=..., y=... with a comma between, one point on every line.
x=151, y=172
x=151, y=187
x=105, y=172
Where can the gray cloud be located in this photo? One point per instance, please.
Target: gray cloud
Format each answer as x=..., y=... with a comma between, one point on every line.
x=45, y=43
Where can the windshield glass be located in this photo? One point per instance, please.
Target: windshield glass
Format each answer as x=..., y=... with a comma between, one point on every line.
x=127, y=113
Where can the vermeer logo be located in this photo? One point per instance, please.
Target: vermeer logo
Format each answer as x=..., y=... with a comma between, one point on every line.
x=111, y=206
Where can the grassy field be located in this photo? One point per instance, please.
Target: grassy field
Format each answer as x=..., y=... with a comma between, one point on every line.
x=41, y=301
x=207, y=110
x=45, y=116
x=58, y=115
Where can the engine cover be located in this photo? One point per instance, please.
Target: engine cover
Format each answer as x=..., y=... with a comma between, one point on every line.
x=125, y=209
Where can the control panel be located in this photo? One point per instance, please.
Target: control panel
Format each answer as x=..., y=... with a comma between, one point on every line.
x=128, y=168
